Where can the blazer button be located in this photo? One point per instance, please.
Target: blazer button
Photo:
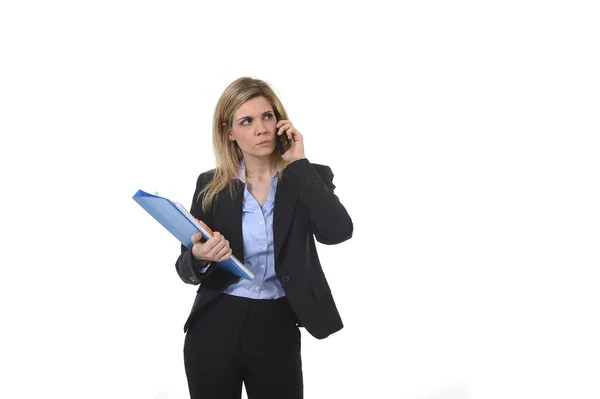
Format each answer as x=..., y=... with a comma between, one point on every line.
x=285, y=279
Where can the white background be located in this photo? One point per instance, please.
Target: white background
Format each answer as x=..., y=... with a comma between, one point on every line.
x=464, y=141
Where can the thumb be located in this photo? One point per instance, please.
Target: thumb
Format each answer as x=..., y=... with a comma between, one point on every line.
x=196, y=238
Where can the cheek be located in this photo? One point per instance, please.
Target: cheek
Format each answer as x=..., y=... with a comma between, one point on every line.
x=242, y=137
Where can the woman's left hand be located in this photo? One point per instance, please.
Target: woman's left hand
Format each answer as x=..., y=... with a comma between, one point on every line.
x=295, y=149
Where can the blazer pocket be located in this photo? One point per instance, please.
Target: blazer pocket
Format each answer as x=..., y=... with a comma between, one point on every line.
x=319, y=284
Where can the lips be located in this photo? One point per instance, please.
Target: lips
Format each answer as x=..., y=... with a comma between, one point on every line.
x=263, y=142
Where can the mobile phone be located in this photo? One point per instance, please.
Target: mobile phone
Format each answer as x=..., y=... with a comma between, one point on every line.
x=282, y=141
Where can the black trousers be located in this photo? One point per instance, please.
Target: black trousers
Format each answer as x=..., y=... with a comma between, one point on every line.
x=235, y=340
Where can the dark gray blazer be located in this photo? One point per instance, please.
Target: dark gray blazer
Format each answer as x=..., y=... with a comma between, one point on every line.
x=305, y=208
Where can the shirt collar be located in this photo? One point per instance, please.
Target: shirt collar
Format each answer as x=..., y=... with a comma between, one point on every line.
x=241, y=175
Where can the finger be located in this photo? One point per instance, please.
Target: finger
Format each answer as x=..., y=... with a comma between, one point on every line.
x=196, y=238
x=227, y=255
x=216, y=238
x=212, y=242
x=285, y=130
x=220, y=246
x=290, y=132
x=282, y=126
x=219, y=255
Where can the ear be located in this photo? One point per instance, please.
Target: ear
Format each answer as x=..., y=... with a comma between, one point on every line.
x=229, y=136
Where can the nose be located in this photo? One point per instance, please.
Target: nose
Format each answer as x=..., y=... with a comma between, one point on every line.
x=261, y=127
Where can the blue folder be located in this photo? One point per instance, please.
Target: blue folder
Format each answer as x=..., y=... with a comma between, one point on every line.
x=183, y=225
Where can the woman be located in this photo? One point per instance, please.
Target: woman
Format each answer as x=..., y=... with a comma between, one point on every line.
x=265, y=208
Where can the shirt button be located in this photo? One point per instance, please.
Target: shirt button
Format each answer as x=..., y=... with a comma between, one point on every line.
x=262, y=266
x=285, y=279
x=264, y=248
x=256, y=289
x=261, y=222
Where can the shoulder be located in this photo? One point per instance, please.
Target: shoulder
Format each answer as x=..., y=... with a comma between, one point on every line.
x=205, y=177
x=323, y=170
x=304, y=169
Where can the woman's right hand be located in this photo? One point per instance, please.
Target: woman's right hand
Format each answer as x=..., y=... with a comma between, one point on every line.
x=216, y=249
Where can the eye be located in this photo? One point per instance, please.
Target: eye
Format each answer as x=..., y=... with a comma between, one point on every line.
x=267, y=116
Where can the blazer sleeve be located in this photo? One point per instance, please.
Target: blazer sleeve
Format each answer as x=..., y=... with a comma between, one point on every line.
x=314, y=184
x=188, y=268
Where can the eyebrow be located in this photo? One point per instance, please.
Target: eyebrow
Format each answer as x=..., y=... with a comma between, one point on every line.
x=244, y=117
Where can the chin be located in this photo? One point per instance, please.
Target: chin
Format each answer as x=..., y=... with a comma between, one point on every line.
x=262, y=152
x=266, y=150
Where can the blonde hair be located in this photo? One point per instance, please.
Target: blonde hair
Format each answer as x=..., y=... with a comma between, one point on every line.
x=227, y=153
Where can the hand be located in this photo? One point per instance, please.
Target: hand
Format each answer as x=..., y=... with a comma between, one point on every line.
x=216, y=249
x=296, y=150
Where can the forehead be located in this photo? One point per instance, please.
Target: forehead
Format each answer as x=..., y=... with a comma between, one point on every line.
x=254, y=106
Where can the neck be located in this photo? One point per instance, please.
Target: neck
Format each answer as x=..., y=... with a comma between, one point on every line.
x=259, y=169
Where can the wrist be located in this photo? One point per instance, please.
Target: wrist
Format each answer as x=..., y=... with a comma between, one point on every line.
x=295, y=159
x=197, y=259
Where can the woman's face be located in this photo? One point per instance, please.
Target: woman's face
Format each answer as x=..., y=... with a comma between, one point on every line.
x=254, y=122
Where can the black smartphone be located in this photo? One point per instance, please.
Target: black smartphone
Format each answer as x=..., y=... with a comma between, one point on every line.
x=282, y=141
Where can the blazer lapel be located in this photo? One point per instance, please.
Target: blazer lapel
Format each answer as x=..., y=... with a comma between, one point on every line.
x=230, y=210
x=285, y=203
x=230, y=217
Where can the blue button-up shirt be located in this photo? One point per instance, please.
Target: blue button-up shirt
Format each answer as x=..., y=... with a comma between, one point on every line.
x=257, y=229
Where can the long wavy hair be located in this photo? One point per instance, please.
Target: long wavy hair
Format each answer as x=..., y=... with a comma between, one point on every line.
x=227, y=153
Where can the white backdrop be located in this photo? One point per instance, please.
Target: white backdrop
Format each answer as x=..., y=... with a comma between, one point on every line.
x=474, y=275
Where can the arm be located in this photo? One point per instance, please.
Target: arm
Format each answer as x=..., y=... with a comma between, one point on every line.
x=189, y=269
x=330, y=220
